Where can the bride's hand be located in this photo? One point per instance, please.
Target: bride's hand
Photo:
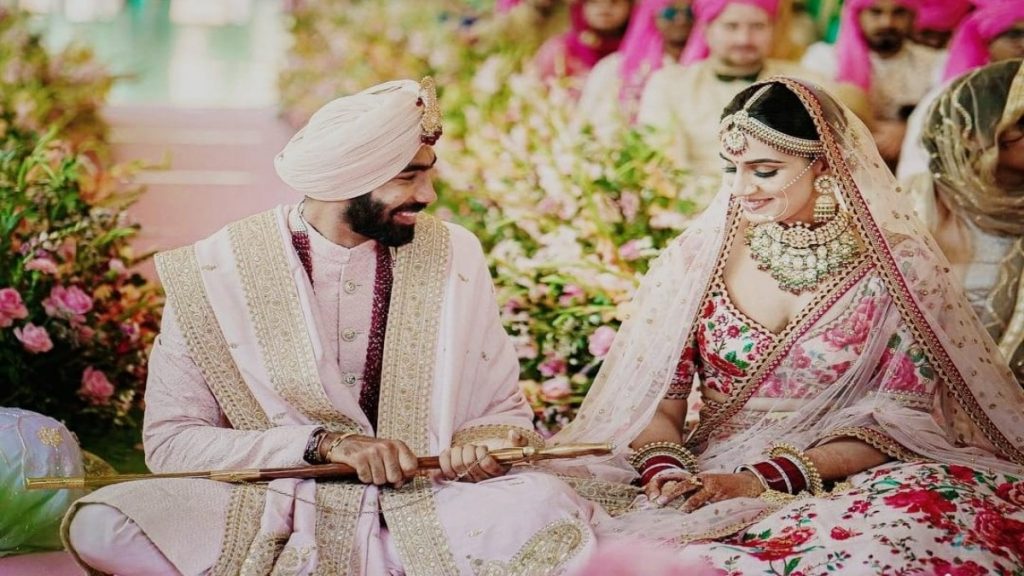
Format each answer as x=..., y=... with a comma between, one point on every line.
x=719, y=487
x=666, y=486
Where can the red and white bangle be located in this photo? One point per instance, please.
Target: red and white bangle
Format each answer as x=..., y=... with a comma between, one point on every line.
x=656, y=465
x=779, y=474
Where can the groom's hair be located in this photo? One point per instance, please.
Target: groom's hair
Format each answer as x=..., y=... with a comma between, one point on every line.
x=779, y=107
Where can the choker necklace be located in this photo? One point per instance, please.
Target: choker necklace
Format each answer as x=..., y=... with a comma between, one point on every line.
x=799, y=257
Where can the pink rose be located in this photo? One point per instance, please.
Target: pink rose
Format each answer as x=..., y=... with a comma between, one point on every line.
x=570, y=292
x=1012, y=492
x=42, y=264
x=855, y=330
x=946, y=568
x=34, y=338
x=71, y=303
x=96, y=389
x=555, y=388
x=11, y=307
x=117, y=267
x=630, y=204
x=552, y=366
x=840, y=533
x=631, y=250
x=902, y=376
x=601, y=341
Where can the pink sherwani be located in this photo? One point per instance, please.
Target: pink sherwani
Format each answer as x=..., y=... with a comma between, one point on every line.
x=526, y=520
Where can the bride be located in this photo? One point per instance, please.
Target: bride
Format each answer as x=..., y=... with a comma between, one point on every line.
x=856, y=415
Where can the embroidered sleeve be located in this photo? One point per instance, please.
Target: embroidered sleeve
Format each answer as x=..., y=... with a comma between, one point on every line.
x=686, y=369
x=185, y=428
x=874, y=437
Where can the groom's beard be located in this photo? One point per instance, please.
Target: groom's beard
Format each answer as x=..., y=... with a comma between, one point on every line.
x=371, y=218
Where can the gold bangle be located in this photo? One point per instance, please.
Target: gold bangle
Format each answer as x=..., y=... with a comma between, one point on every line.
x=677, y=451
x=815, y=484
x=335, y=442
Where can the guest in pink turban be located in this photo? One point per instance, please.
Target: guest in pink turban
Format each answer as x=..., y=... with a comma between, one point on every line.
x=658, y=29
x=880, y=26
x=994, y=32
x=596, y=30
x=874, y=52
x=658, y=32
x=936, y=20
x=740, y=48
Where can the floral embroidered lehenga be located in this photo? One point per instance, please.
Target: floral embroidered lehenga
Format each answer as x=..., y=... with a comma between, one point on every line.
x=888, y=353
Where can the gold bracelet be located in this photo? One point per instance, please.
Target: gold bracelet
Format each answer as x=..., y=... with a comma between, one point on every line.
x=335, y=442
x=815, y=484
x=677, y=451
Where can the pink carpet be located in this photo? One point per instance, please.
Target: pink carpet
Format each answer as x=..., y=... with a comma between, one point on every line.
x=221, y=168
x=41, y=564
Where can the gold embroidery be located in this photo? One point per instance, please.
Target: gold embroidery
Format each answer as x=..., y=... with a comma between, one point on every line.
x=50, y=436
x=241, y=528
x=338, y=505
x=831, y=290
x=276, y=314
x=544, y=553
x=183, y=284
x=874, y=438
x=407, y=378
x=262, y=555
x=615, y=497
x=292, y=560
x=476, y=434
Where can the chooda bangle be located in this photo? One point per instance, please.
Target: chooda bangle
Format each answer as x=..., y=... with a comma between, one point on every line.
x=815, y=484
x=677, y=452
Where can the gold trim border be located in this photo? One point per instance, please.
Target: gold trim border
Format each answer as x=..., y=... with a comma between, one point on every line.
x=183, y=283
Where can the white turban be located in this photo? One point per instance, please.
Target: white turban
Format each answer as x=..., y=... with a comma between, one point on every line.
x=354, y=144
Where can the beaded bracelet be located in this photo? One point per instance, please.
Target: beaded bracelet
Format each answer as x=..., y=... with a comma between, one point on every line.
x=815, y=484
x=684, y=457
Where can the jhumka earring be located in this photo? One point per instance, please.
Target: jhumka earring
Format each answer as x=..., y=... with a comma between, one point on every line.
x=825, y=205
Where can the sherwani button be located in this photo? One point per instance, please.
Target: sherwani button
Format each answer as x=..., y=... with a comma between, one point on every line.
x=350, y=379
x=348, y=335
x=350, y=287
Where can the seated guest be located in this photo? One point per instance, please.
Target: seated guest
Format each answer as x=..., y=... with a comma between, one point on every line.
x=936, y=20
x=874, y=52
x=972, y=196
x=657, y=33
x=857, y=417
x=728, y=50
x=992, y=33
x=351, y=329
x=596, y=28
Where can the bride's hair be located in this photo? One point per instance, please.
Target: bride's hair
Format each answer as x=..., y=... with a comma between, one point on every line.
x=780, y=108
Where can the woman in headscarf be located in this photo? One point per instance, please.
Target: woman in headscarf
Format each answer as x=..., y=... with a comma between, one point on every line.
x=596, y=30
x=972, y=197
x=857, y=417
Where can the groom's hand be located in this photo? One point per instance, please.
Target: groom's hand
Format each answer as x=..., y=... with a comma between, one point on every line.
x=473, y=462
x=376, y=461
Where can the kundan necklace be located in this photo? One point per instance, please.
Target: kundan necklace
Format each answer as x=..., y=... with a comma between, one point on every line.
x=799, y=257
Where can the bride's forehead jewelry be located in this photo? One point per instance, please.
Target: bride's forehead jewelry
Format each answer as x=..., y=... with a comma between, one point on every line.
x=735, y=128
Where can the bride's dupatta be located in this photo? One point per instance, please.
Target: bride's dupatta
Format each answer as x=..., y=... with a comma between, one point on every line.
x=962, y=405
